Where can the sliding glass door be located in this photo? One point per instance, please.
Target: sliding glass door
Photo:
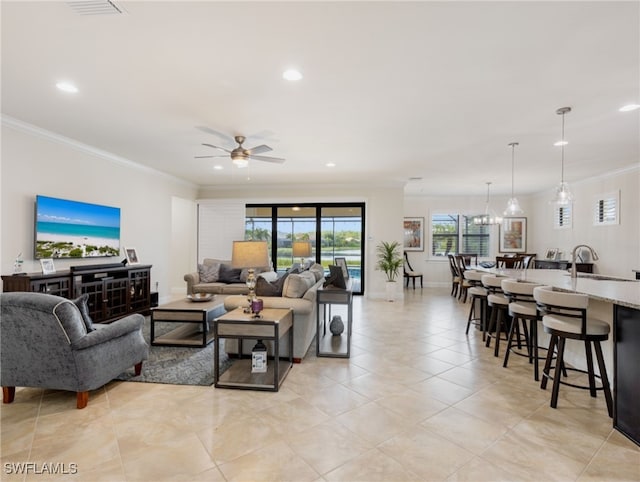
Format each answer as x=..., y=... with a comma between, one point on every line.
x=332, y=231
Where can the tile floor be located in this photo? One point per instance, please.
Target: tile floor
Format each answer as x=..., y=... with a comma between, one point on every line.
x=418, y=400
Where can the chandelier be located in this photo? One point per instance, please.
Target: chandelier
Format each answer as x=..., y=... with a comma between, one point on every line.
x=489, y=217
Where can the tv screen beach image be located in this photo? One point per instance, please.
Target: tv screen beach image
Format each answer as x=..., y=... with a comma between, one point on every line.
x=72, y=229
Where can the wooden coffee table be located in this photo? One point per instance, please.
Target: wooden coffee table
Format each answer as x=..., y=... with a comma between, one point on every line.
x=273, y=324
x=195, y=317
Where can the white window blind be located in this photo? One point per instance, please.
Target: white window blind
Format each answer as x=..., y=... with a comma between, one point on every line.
x=219, y=224
x=606, y=209
x=563, y=216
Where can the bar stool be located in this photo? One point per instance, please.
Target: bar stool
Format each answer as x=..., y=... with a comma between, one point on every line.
x=499, y=305
x=565, y=317
x=523, y=309
x=478, y=297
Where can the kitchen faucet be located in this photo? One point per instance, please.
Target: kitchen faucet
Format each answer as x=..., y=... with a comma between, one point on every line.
x=574, y=253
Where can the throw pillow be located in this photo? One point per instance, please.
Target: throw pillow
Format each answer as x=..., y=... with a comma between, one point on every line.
x=266, y=288
x=229, y=274
x=208, y=273
x=82, y=302
x=298, y=284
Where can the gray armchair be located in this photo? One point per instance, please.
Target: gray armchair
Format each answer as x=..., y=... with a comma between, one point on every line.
x=45, y=342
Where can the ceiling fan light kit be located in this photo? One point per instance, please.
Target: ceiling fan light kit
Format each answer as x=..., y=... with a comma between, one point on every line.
x=240, y=156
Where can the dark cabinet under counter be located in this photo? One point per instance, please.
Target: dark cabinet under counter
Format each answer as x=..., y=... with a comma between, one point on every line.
x=563, y=264
x=626, y=363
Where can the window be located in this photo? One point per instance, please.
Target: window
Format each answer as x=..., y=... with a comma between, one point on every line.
x=563, y=216
x=333, y=229
x=456, y=233
x=606, y=209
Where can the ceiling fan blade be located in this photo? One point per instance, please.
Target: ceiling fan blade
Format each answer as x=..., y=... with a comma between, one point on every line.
x=277, y=160
x=259, y=149
x=208, y=157
x=217, y=147
x=213, y=132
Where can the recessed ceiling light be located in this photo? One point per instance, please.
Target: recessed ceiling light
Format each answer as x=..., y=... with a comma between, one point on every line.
x=218, y=167
x=629, y=107
x=67, y=87
x=330, y=164
x=291, y=75
x=561, y=143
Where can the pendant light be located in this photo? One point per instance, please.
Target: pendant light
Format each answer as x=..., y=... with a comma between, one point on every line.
x=513, y=207
x=563, y=193
x=489, y=217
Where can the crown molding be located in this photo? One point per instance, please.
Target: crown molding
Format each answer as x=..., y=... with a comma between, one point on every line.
x=25, y=127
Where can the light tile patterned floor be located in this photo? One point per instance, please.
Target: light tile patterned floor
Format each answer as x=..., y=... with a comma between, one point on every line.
x=418, y=400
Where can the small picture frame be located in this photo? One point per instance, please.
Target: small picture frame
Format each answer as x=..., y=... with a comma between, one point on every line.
x=413, y=234
x=47, y=266
x=132, y=256
x=342, y=262
x=551, y=254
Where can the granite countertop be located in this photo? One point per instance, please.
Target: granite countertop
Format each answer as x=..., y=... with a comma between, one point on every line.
x=621, y=291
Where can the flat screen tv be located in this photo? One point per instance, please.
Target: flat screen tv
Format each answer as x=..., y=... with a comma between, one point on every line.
x=73, y=229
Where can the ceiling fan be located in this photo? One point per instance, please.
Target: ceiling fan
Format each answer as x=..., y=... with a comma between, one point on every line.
x=241, y=156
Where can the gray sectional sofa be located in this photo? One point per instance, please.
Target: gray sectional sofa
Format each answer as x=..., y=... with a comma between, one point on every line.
x=216, y=276
x=298, y=293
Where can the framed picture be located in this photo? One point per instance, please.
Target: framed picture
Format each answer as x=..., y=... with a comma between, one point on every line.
x=413, y=234
x=513, y=235
x=342, y=262
x=47, y=266
x=551, y=254
x=132, y=256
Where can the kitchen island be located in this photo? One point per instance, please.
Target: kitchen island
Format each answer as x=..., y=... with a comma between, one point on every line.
x=616, y=301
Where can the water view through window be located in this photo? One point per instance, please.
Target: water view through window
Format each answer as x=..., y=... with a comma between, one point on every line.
x=333, y=231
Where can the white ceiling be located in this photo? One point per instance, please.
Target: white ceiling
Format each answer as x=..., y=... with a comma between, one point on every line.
x=391, y=90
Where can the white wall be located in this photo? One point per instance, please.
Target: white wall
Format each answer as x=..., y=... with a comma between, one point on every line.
x=436, y=270
x=383, y=216
x=618, y=246
x=39, y=162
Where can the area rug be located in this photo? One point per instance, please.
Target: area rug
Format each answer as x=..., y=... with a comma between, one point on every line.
x=177, y=365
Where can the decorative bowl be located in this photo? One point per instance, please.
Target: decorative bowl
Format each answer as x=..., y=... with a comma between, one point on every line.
x=200, y=297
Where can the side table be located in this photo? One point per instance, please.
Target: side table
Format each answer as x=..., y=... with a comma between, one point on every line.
x=327, y=344
x=272, y=324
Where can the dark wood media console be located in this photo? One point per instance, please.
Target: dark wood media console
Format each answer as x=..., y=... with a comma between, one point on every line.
x=114, y=290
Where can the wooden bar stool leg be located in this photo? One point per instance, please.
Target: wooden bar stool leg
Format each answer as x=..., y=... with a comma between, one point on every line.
x=604, y=378
x=509, y=342
x=590, y=372
x=534, y=341
x=556, y=375
x=547, y=363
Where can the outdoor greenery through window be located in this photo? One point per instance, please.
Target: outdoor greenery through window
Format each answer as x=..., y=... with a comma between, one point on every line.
x=456, y=233
x=333, y=230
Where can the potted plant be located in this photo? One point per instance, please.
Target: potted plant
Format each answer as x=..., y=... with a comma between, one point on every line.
x=389, y=261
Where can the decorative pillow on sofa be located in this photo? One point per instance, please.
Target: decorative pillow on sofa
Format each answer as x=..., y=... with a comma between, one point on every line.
x=82, y=302
x=298, y=284
x=228, y=274
x=266, y=288
x=209, y=273
x=256, y=271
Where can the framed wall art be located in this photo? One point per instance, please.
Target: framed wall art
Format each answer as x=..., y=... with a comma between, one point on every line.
x=513, y=235
x=413, y=234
